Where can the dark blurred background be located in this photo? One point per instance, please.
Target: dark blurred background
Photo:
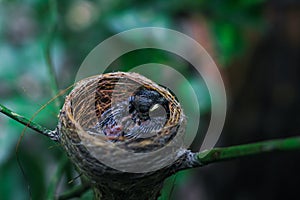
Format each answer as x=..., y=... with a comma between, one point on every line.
x=256, y=45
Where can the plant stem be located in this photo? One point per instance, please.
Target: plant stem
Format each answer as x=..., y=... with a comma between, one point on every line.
x=56, y=178
x=200, y=158
x=49, y=41
x=77, y=191
x=34, y=126
x=233, y=152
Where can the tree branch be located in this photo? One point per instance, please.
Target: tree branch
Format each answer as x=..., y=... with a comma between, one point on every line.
x=34, y=126
x=197, y=159
x=239, y=151
x=47, y=52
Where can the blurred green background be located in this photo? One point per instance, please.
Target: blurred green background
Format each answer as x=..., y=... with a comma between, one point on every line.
x=255, y=44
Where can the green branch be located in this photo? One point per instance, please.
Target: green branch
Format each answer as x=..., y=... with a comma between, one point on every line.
x=49, y=41
x=239, y=151
x=34, y=126
x=77, y=191
x=199, y=158
x=56, y=178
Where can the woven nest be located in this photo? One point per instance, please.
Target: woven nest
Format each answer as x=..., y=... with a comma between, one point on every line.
x=121, y=122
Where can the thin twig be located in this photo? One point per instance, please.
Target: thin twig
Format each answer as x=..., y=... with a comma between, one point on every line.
x=21, y=119
x=56, y=178
x=239, y=151
x=77, y=191
x=49, y=40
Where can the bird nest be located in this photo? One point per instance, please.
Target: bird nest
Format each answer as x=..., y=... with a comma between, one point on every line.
x=123, y=120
